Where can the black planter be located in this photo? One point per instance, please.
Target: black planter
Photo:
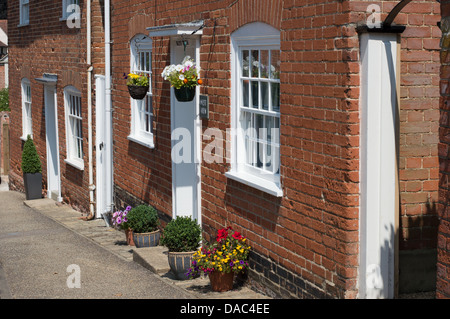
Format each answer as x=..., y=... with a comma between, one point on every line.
x=185, y=94
x=138, y=92
x=33, y=185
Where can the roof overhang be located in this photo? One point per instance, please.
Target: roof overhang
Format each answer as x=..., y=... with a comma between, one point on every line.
x=178, y=29
x=48, y=78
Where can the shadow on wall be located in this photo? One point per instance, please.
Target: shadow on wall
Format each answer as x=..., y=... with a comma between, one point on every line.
x=418, y=253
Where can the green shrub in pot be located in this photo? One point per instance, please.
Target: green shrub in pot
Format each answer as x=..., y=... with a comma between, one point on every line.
x=182, y=237
x=143, y=220
x=182, y=234
x=32, y=170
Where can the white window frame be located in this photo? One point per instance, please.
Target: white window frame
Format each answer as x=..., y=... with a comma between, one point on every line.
x=141, y=129
x=24, y=8
x=65, y=5
x=27, y=119
x=74, y=121
x=262, y=37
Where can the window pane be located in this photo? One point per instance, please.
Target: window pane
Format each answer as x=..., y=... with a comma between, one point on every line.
x=147, y=66
x=255, y=63
x=275, y=97
x=261, y=132
x=142, y=62
x=265, y=95
x=275, y=64
x=245, y=63
x=245, y=93
x=255, y=94
x=264, y=64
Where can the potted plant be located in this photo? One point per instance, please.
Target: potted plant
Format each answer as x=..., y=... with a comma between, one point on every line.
x=120, y=220
x=143, y=220
x=32, y=170
x=138, y=84
x=183, y=78
x=182, y=237
x=222, y=259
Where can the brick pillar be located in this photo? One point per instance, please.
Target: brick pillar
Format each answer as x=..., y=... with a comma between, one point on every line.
x=443, y=264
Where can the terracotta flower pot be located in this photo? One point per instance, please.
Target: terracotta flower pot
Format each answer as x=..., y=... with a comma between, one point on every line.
x=129, y=236
x=220, y=281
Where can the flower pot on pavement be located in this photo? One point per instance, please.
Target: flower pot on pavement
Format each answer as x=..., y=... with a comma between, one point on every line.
x=146, y=239
x=221, y=281
x=182, y=237
x=33, y=185
x=179, y=263
x=129, y=237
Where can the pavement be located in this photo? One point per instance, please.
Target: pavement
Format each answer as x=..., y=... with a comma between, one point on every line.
x=112, y=240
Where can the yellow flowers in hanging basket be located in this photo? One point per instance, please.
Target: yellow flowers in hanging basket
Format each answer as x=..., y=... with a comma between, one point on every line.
x=137, y=79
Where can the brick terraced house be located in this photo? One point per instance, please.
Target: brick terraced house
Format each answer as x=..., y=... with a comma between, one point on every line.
x=315, y=132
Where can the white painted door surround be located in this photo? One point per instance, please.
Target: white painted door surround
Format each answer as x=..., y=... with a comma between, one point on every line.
x=379, y=146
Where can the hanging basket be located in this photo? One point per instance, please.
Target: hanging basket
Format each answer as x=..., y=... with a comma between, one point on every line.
x=185, y=94
x=138, y=92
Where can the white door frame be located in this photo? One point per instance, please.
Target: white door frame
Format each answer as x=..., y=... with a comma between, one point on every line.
x=52, y=139
x=100, y=141
x=177, y=209
x=379, y=213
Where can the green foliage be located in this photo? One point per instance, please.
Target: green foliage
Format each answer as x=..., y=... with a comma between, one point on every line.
x=30, y=158
x=139, y=79
x=182, y=234
x=4, y=100
x=143, y=219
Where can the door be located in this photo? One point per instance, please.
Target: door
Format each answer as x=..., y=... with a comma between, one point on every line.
x=186, y=126
x=51, y=130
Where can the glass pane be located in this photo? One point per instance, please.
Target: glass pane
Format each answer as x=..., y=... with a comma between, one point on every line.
x=264, y=64
x=245, y=63
x=147, y=67
x=270, y=128
x=275, y=64
x=275, y=97
x=261, y=132
x=142, y=62
x=255, y=63
x=265, y=95
x=255, y=94
x=276, y=160
x=245, y=93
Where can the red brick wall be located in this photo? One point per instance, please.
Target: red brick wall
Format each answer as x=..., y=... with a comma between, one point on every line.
x=306, y=244
x=47, y=45
x=309, y=237
x=2, y=77
x=443, y=266
x=307, y=241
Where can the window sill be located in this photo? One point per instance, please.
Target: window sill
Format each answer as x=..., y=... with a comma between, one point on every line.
x=262, y=184
x=77, y=164
x=142, y=141
x=23, y=25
